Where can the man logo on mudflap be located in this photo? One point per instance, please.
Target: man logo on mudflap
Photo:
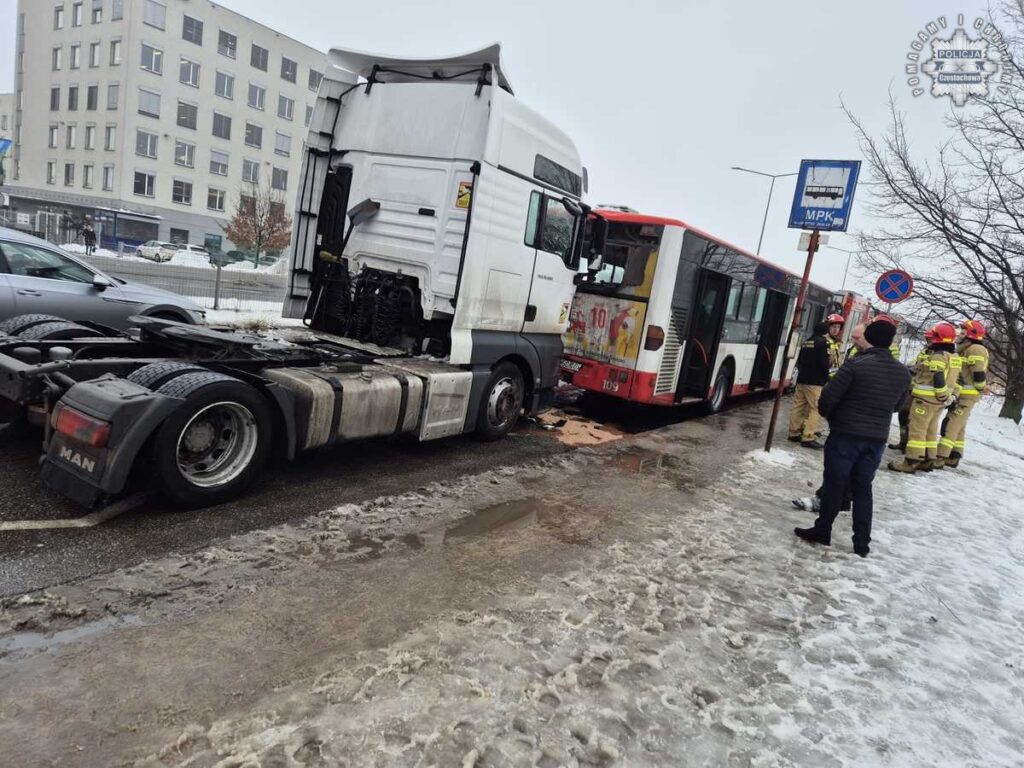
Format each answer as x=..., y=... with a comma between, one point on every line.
x=78, y=460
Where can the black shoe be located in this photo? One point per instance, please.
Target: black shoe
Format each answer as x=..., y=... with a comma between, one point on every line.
x=814, y=536
x=796, y=439
x=812, y=444
x=897, y=447
x=861, y=551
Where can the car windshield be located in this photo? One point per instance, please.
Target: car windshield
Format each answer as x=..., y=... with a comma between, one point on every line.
x=28, y=260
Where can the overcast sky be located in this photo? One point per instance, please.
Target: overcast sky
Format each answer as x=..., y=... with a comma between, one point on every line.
x=662, y=98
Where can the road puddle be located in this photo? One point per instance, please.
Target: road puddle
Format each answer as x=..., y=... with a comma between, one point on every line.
x=39, y=642
x=504, y=517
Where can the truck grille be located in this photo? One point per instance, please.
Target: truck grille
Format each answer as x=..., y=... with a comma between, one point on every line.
x=668, y=373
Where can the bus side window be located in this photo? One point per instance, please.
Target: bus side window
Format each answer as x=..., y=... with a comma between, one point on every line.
x=734, y=300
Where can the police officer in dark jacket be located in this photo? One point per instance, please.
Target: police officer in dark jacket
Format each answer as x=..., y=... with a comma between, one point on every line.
x=813, y=364
x=858, y=403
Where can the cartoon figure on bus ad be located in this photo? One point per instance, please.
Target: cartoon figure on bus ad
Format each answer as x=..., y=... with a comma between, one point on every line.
x=605, y=329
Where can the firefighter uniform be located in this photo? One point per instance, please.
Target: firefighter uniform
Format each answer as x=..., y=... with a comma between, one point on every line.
x=972, y=381
x=834, y=356
x=930, y=391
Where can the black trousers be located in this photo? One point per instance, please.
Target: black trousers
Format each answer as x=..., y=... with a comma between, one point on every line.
x=850, y=463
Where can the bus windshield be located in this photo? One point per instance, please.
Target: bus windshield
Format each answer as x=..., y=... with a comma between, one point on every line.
x=630, y=254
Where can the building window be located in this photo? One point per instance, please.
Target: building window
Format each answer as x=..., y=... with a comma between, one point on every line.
x=54, y=133
x=225, y=86
x=285, y=107
x=72, y=136
x=289, y=69
x=76, y=56
x=56, y=59
x=108, y=178
x=260, y=57
x=188, y=115
x=185, y=154
x=115, y=53
x=51, y=172
x=145, y=183
x=189, y=73
x=227, y=44
x=154, y=14
x=309, y=115
x=149, y=103
x=221, y=126
x=253, y=135
x=251, y=171
x=94, y=55
x=110, y=138
x=90, y=137
x=113, y=93
x=314, y=79
x=146, y=143
x=92, y=98
x=279, y=179
x=192, y=30
x=181, y=192
x=87, y=176
x=257, y=97
x=72, y=97
x=69, y=174
x=58, y=17
x=215, y=199
x=76, y=14
x=219, y=163
x=97, y=11
x=283, y=144
x=117, y=10
x=179, y=236
x=152, y=59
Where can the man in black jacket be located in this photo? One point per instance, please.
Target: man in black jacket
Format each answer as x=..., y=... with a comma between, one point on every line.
x=858, y=403
x=813, y=365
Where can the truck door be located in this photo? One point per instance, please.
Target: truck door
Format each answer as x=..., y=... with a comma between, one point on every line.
x=705, y=332
x=551, y=285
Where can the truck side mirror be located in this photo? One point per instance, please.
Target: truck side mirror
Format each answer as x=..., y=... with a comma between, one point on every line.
x=598, y=237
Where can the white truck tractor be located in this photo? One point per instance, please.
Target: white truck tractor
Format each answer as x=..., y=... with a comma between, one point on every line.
x=438, y=234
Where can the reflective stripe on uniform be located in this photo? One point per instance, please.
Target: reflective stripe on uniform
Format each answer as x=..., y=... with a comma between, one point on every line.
x=922, y=444
x=969, y=391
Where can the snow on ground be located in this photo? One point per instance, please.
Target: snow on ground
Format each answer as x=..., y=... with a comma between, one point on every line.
x=189, y=259
x=247, y=316
x=80, y=250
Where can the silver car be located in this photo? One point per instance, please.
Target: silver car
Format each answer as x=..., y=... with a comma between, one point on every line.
x=39, y=278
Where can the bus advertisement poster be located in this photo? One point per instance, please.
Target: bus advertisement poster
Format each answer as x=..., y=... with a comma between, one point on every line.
x=606, y=329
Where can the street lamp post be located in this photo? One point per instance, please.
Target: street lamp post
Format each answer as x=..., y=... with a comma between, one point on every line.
x=773, y=177
x=849, y=255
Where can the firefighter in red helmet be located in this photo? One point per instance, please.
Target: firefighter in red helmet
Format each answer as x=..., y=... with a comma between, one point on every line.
x=971, y=384
x=835, y=324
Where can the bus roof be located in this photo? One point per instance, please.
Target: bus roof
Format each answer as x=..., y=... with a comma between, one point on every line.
x=632, y=217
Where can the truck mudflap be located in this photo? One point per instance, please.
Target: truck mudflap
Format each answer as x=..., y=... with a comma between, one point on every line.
x=90, y=474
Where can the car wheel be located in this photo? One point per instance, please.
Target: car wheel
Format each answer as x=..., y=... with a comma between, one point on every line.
x=215, y=444
x=720, y=392
x=13, y=325
x=502, y=402
x=58, y=330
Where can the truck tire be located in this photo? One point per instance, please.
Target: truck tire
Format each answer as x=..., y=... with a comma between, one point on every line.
x=155, y=375
x=57, y=330
x=215, y=444
x=13, y=325
x=502, y=402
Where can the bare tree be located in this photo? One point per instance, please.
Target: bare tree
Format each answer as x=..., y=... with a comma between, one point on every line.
x=260, y=223
x=955, y=220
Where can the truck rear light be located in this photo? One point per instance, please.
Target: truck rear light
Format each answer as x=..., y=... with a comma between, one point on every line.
x=84, y=429
x=655, y=338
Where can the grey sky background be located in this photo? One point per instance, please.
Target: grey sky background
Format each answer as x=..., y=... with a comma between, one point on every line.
x=663, y=97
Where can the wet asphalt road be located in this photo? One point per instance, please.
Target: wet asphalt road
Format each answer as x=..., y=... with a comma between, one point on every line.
x=32, y=560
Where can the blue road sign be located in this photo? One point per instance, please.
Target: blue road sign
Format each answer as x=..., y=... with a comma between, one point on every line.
x=5, y=144
x=824, y=195
x=894, y=286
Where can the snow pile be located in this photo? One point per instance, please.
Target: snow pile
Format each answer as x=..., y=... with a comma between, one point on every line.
x=240, y=266
x=189, y=259
x=776, y=457
x=79, y=249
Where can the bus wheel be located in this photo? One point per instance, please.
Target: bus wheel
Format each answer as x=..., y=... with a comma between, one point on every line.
x=502, y=403
x=720, y=392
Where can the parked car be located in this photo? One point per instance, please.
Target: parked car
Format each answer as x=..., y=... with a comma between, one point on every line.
x=157, y=250
x=222, y=259
x=39, y=278
x=190, y=256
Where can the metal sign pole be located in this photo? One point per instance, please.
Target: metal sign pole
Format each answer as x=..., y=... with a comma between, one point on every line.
x=794, y=328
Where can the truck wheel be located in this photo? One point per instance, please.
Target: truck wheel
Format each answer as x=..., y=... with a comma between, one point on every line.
x=720, y=392
x=155, y=375
x=214, y=446
x=502, y=403
x=57, y=330
x=13, y=325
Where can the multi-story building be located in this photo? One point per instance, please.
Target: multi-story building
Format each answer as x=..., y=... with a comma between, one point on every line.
x=6, y=135
x=154, y=116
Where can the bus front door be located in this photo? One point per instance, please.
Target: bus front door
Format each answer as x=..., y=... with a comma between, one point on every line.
x=705, y=332
x=769, y=337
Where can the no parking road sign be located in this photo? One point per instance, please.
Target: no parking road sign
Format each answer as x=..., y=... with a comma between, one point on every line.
x=894, y=286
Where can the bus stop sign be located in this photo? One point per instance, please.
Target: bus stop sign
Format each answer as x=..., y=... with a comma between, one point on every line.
x=824, y=195
x=894, y=286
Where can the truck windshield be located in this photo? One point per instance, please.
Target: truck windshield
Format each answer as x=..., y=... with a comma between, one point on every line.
x=629, y=257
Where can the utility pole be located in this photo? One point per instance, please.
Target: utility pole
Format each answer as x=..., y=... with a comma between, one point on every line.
x=773, y=177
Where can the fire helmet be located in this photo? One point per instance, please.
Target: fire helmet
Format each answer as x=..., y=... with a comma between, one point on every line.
x=835, y=318
x=974, y=330
x=943, y=333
